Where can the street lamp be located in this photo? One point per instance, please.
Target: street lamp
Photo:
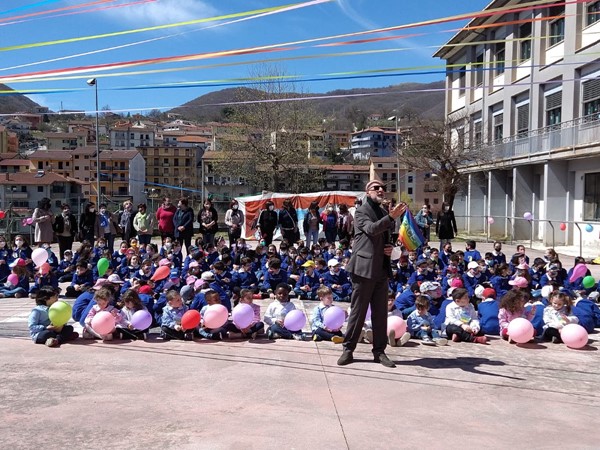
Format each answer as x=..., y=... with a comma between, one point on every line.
x=395, y=119
x=94, y=82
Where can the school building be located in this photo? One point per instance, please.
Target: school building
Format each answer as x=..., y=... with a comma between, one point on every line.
x=524, y=87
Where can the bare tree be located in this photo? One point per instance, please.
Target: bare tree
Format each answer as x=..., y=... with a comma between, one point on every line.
x=444, y=149
x=268, y=147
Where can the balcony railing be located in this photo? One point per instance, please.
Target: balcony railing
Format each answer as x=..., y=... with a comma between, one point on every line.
x=571, y=134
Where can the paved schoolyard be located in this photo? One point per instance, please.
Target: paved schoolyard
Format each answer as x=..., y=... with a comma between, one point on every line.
x=289, y=394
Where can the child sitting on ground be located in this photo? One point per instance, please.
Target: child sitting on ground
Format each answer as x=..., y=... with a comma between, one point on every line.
x=211, y=297
x=421, y=326
x=512, y=306
x=556, y=315
x=276, y=312
x=82, y=280
x=319, y=329
x=171, y=319
x=133, y=304
x=103, y=298
x=40, y=328
x=461, y=319
x=393, y=340
x=487, y=311
x=255, y=327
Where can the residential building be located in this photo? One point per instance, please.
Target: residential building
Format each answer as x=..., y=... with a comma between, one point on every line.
x=524, y=87
x=373, y=142
x=129, y=136
x=346, y=177
x=9, y=142
x=66, y=141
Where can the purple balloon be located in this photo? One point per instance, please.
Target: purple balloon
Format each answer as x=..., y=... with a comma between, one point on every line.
x=242, y=315
x=294, y=320
x=334, y=318
x=141, y=319
x=579, y=271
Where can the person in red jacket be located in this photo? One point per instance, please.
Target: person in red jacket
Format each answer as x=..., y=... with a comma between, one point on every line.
x=164, y=217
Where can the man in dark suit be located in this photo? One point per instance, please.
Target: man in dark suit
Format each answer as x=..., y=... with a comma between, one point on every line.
x=370, y=269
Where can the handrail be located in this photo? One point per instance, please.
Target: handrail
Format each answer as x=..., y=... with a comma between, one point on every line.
x=511, y=219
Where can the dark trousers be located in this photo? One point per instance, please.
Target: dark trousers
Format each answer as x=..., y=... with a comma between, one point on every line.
x=463, y=335
x=267, y=237
x=144, y=238
x=64, y=243
x=549, y=333
x=126, y=333
x=185, y=240
x=331, y=235
x=283, y=331
x=110, y=241
x=367, y=292
x=172, y=333
x=325, y=335
x=258, y=327
x=234, y=236
x=66, y=334
x=289, y=235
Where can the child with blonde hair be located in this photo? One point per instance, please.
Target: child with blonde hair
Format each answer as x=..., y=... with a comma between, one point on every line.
x=103, y=298
x=320, y=331
x=512, y=306
x=461, y=321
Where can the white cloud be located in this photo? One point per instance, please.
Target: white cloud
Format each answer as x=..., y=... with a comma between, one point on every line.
x=162, y=12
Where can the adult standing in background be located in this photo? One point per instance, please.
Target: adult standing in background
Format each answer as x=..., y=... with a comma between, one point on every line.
x=65, y=227
x=329, y=218
x=183, y=222
x=208, y=218
x=288, y=222
x=445, y=225
x=89, y=225
x=126, y=221
x=108, y=226
x=143, y=222
x=164, y=216
x=312, y=219
x=425, y=220
x=234, y=219
x=370, y=267
x=345, y=223
x=267, y=222
x=43, y=218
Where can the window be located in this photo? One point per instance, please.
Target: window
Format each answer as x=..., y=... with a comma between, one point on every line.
x=462, y=79
x=385, y=176
x=553, y=108
x=60, y=165
x=393, y=188
x=410, y=179
x=436, y=201
x=409, y=191
x=499, y=58
x=525, y=42
x=593, y=13
x=156, y=161
x=498, y=125
x=476, y=131
x=591, y=97
x=557, y=26
x=76, y=167
x=522, y=119
x=40, y=188
x=479, y=70
x=166, y=161
x=591, y=197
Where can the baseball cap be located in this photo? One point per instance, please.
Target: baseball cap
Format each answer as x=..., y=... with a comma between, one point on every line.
x=208, y=276
x=427, y=286
x=193, y=264
x=456, y=283
x=333, y=262
x=488, y=293
x=100, y=282
x=145, y=289
x=309, y=264
x=420, y=262
x=114, y=278
x=519, y=282
x=472, y=265
x=20, y=262
x=164, y=262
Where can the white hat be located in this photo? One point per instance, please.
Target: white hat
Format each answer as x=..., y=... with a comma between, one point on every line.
x=114, y=278
x=472, y=265
x=333, y=262
x=208, y=276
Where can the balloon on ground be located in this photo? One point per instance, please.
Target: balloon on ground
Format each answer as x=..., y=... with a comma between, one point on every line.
x=574, y=335
x=59, y=313
x=103, y=323
x=141, y=319
x=520, y=330
x=242, y=315
x=397, y=324
x=215, y=316
x=294, y=320
x=190, y=319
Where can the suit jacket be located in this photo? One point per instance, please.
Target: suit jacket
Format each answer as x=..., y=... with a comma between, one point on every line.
x=371, y=236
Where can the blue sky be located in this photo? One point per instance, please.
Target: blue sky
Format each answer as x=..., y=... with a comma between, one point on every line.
x=115, y=86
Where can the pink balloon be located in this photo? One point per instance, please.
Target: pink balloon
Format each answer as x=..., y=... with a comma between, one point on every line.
x=578, y=271
x=13, y=279
x=215, y=316
x=574, y=335
x=103, y=323
x=397, y=324
x=141, y=319
x=242, y=315
x=520, y=330
x=39, y=256
x=527, y=216
x=294, y=320
x=24, y=222
x=334, y=318
x=29, y=221
x=490, y=220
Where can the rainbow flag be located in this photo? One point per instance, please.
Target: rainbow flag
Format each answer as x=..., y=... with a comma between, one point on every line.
x=410, y=234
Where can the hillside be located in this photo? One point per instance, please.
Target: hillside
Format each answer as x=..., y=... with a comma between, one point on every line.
x=428, y=104
x=16, y=103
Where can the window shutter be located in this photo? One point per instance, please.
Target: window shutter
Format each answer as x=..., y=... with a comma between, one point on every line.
x=523, y=117
x=498, y=119
x=591, y=90
x=554, y=101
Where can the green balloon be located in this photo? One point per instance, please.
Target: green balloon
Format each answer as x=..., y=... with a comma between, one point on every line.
x=102, y=265
x=60, y=313
x=588, y=282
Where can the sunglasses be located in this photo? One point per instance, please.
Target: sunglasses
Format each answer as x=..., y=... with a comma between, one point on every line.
x=378, y=188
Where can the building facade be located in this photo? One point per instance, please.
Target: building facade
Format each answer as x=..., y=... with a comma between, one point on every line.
x=525, y=89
